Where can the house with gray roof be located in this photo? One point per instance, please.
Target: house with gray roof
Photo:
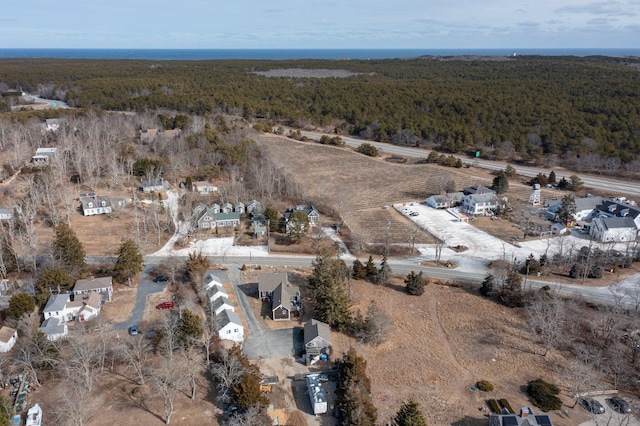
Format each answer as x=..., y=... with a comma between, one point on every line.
x=100, y=285
x=480, y=204
x=269, y=281
x=311, y=212
x=445, y=201
x=317, y=337
x=526, y=417
x=54, y=329
x=220, y=304
x=216, y=291
x=153, y=185
x=229, y=326
x=613, y=229
x=285, y=302
x=93, y=204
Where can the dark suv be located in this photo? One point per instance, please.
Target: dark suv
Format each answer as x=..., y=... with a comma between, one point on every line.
x=161, y=279
x=620, y=405
x=591, y=405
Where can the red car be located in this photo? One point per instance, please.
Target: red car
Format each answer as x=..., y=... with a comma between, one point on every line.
x=165, y=305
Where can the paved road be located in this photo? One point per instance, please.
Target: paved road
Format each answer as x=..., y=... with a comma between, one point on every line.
x=621, y=187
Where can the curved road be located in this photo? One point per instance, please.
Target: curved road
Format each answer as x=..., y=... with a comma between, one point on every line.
x=621, y=187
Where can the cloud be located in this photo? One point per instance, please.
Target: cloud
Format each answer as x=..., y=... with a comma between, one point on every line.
x=613, y=8
x=528, y=24
x=600, y=21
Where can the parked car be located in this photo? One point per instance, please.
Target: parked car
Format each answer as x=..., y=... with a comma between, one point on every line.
x=160, y=279
x=133, y=330
x=591, y=405
x=165, y=305
x=619, y=404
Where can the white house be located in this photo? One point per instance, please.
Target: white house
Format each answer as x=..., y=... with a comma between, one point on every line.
x=239, y=208
x=220, y=304
x=93, y=204
x=311, y=212
x=559, y=229
x=56, y=307
x=54, y=329
x=44, y=155
x=254, y=207
x=53, y=124
x=6, y=214
x=153, y=185
x=613, y=229
x=479, y=204
x=203, y=187
x=585, y=206
x=8, y=337
x=101, y=285
x=229, y=326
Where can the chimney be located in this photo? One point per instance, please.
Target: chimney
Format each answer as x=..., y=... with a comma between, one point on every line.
x=524, y=412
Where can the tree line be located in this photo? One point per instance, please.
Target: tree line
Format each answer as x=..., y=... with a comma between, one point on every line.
x=579, y=110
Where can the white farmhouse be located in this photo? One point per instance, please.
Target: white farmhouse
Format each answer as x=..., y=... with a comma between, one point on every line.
x=54, y=329
x=479, y=204
x=613, y=229
x=229, y=326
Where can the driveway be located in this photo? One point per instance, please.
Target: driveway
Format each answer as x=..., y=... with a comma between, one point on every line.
x=145, y=288
x=261, y=342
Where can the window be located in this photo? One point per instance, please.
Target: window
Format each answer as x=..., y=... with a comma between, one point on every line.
x=90, y=204
x=228, y=331
x=103, y=203
x=235, y=330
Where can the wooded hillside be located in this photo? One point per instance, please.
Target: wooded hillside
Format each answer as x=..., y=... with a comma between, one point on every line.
x=583, y=112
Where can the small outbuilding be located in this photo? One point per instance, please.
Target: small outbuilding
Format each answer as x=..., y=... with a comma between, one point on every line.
x=8, y=338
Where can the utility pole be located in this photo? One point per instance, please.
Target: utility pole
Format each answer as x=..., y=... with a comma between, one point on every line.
x=388, y=237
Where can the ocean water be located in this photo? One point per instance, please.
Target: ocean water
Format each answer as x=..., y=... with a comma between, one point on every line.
x=280, y=54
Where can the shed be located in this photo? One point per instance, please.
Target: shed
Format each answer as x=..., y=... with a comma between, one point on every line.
x=8, y=337
x=317, y=337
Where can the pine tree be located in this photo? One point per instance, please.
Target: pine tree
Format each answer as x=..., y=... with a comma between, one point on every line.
x=384, y=275
x=52, y=281
x=410, y=415
x=271, y=214
x=487, y=285
x=20, y=304
x=372, y=270
x=358, y=270
x=354, y=391
x=129, y=261
x=328, y=290
x=68, y=250
x=552, y=177
x=501, y=183
x=189, y=328
x=415, y=284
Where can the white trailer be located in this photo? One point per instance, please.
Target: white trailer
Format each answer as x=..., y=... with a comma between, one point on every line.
x=316, y=394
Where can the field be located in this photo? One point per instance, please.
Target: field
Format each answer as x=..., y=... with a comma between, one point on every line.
x=338, y=180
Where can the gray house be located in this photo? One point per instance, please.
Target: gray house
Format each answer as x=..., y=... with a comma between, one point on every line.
x=317, y=337
x=269, y=281
x=154, y=185
x=285, y=302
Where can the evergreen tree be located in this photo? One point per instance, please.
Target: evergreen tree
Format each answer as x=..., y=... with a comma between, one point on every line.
x=272, y=215
x=566, y=212
x=487, y=285
x=576, y=183
x=501, y=183
x=372, y=270
x=327, y=284
x=359, y=272
x=410, y=415
x=575, y=271
x=415, y=284
x=510, y=171
x=189, y=328
x=129, y=261
x=354, y=391
x=531, y=265
x=384, y=275
x=20, y=304
x=552, y=177
x=297, y=226
x=68, y=250
x=52, y=281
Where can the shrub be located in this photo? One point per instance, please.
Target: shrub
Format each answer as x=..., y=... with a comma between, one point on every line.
x=543, y=395
x=485, y=385
x=244, y=267
x=368, y=149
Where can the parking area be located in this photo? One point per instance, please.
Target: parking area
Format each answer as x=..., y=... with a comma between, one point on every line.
x=610, y=417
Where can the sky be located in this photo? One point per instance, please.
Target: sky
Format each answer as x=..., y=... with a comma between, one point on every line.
x=299, y=24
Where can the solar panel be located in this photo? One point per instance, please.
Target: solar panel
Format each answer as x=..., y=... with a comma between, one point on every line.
x=543, y=420
x=509, y=421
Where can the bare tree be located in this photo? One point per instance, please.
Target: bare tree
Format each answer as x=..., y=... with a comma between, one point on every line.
x=545, y=321
x=228, y=372
x=136, y=355
x=81, y=361
x=167, y=379
x=191, y=359
x=73, y=406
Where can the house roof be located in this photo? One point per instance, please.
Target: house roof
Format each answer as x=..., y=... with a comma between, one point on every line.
x=619, y=209
x=56, y=302
x=618, y=222
x=52, y=326
x=152, y=182
x=587, y=203
x=92, y=284
x=6, y=333
x=210, y=278
x=518, y=420
x=307, y=210
x=46, y=151
x=477, y=189
x=282, y=296
x=269, y=281
x=225, y=216
x=314, y=328
x=220, y=302
x=92, y=300
x=445, y=198
x=483, y=198
x=97, y=199
x=216, y=288
x=225, y=318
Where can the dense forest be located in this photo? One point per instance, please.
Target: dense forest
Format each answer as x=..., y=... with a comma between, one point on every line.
x=582, y=112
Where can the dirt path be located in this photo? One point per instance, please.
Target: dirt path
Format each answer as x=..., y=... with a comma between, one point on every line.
x=466, y=377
